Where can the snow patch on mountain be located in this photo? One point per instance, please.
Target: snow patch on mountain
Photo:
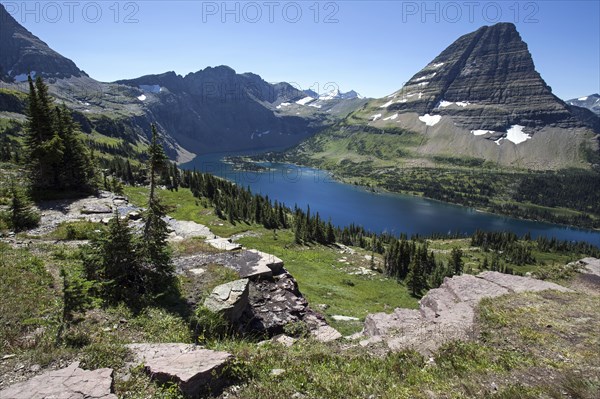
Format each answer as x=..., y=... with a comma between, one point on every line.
x=305, y=101
x=375, y=117
x=391, y=118
x=481, y=132
x=430, y=120
x=516, y=134
x=142, y=97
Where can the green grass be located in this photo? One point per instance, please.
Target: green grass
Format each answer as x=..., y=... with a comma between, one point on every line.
x=529, y=347
x=185, y=207
x=323, y=279
x=77, y=230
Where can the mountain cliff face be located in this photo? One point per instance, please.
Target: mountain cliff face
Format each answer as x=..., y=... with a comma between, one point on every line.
x=216, y=109
x=485, y=80
x=480, y=98
x=21, y=52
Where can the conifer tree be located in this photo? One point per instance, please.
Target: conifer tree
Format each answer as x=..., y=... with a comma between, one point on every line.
x=155, y=247
x=114, y=262
x=21, y=212
x=415, y=279
x=57, y=159
x=456, y=263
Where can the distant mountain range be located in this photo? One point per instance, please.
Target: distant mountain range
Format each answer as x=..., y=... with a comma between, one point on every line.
x=480, y=98
x=212, y=110
x=591, y=102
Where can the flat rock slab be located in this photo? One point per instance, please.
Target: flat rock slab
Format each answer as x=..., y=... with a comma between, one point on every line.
x=255, y=265
x=446, y=313
x=468, y=288
x=93, y=209
x=520, y=284
x=188, y=229
x=191, y=367
x=268, y=260
x=68, y=383
x=229, y=299
x=337, y=317
x=224, y=244
x=591, y=266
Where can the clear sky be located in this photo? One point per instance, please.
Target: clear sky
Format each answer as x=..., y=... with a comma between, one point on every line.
x=372, y=47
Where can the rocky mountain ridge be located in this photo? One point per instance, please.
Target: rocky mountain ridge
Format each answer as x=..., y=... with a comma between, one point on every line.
x=211, y=110
x=591, y=102
x=479, y=98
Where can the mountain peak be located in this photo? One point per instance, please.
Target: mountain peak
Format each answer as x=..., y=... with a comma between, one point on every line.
x=485, y=79
x=22, y=53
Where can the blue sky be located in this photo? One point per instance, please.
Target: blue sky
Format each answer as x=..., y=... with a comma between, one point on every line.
x=370, y=46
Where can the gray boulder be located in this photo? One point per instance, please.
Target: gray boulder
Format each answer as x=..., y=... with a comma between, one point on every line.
x=229, y=299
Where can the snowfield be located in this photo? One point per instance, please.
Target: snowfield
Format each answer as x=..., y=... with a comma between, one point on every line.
x=305, y=101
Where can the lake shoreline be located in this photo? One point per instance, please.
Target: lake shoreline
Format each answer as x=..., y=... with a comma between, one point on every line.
x=374, y=220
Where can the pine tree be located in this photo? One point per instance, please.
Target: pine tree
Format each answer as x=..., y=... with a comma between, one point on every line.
x=113, y=260
x=415, y=279
x=456, y=262
x=155, y=247
x=330, y=233
x=21, y=212
x=77, y=167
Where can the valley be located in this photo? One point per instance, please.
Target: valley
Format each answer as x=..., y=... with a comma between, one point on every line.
x=216, y=235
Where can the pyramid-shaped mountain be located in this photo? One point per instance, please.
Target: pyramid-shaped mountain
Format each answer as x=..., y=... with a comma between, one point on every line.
x=22, y=52
x=485, y=80
x=481, y=98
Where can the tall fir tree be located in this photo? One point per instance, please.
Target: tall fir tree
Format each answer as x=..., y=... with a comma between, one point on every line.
x=156, y=252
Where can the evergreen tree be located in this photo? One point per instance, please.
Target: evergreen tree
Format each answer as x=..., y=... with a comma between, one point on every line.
x=415, y=279
x=77, y=167
x=21, y=212
x=57, y=159
x=157, y=255
x=113, y=260
x=330, y=233
x=456, y=263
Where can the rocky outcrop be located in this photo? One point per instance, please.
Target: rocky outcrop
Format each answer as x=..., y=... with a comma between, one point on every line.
x=275, y=303
x=446, y=313
x=591, y=266
x=68, y=383
x=230, y=300
x=272, y=299
x=192, y=368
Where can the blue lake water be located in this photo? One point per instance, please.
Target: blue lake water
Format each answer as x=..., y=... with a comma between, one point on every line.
x=394, y=213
